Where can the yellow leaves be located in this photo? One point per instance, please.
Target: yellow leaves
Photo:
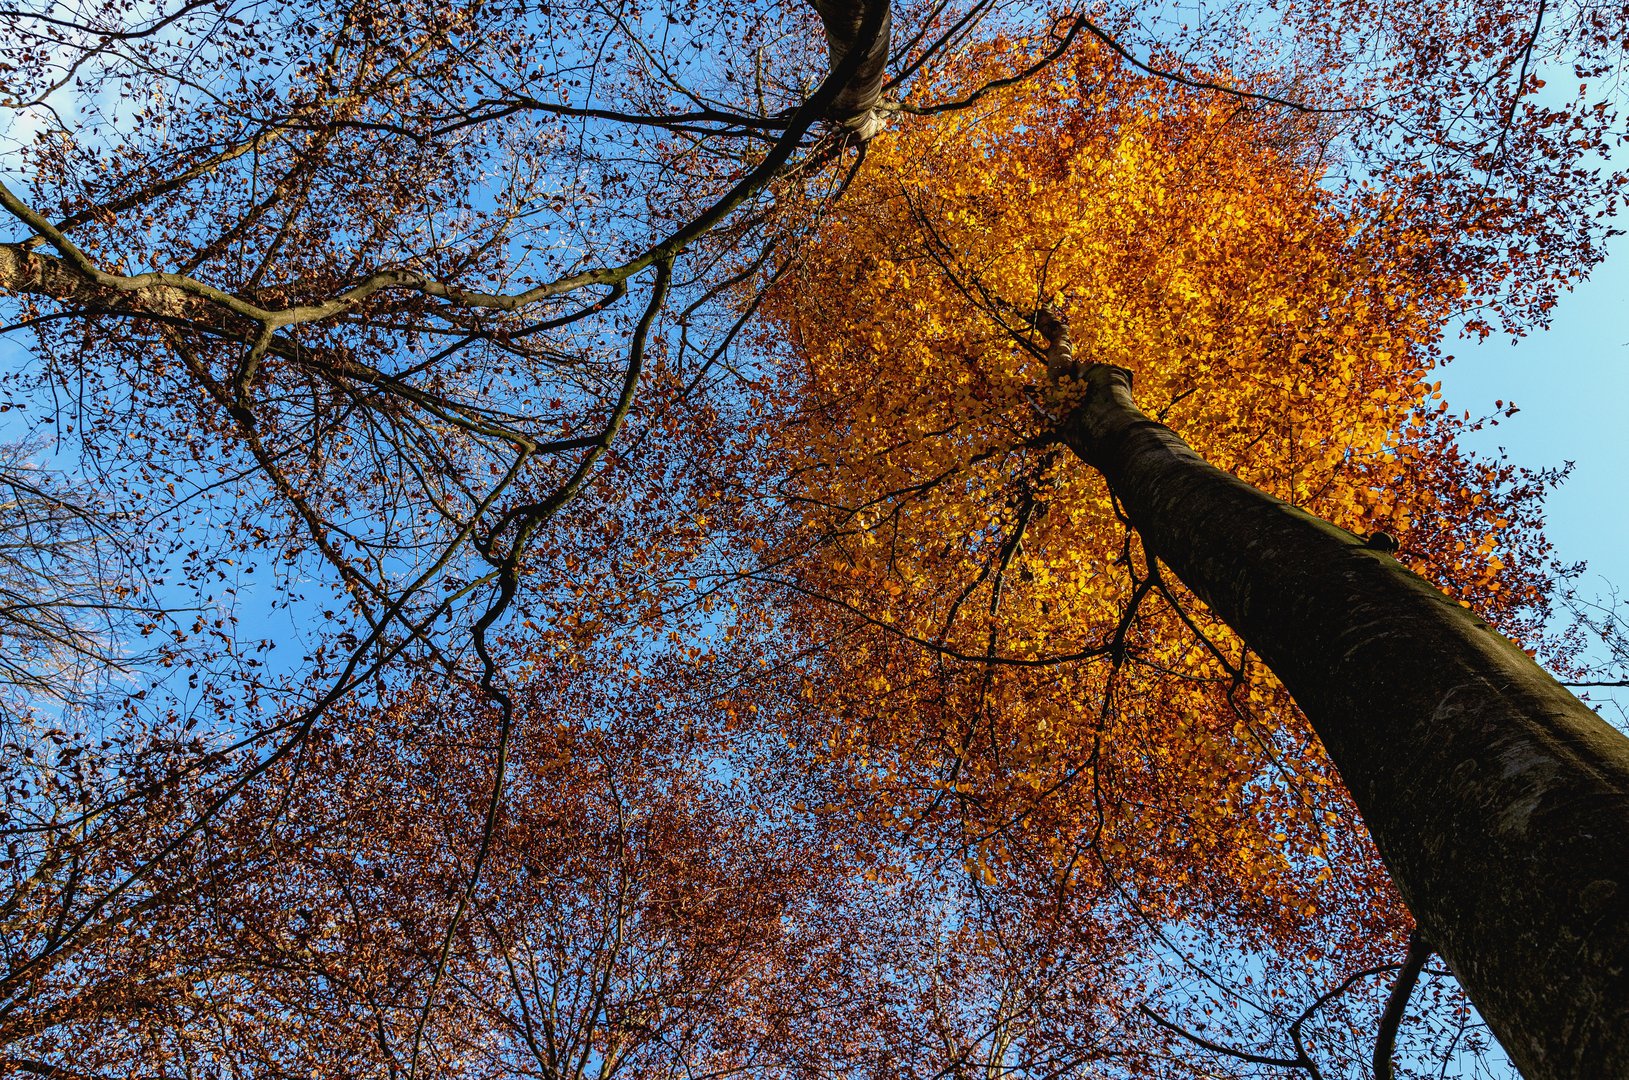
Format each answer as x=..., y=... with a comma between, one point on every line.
x=978, y=868
x=1287, y=343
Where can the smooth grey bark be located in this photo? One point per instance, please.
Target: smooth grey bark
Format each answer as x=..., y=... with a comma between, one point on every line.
x=856, y=107
x=1498, y=800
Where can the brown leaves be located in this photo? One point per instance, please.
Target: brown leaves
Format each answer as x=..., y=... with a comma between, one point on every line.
x=856, y=734
x=998, y=667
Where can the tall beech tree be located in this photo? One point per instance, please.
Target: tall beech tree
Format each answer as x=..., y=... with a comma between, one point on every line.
x=1497, y=798
x=975, y=303
x=443, y=321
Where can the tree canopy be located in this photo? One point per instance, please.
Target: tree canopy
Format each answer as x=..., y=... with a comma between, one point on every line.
x=1004, y=634
x=544, y=546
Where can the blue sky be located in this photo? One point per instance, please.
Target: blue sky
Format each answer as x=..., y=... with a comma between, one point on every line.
x=1571, y=383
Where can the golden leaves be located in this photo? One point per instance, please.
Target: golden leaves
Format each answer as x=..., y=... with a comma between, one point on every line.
x=1014, y=662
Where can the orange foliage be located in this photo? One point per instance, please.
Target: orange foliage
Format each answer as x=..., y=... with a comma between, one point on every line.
x=855, y=734
x=1002, y=663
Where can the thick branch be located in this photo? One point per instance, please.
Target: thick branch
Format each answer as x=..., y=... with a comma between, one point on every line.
x=1385, y=1042
x=857, y=32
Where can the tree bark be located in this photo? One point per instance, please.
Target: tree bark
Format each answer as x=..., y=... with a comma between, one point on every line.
x=1498, y=800
x=856, y=107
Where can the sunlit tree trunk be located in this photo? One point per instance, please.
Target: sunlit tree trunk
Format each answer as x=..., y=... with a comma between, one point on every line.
x=844, y=22
x=1498, y=800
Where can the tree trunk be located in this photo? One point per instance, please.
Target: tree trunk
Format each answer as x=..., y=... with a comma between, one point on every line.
x=1499, y=802
x=844, y=21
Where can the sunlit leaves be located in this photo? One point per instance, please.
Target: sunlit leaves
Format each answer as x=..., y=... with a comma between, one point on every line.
x=1004, y=662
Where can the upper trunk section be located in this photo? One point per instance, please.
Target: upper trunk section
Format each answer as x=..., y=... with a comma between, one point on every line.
x=1499, y=802
x=856, y=107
